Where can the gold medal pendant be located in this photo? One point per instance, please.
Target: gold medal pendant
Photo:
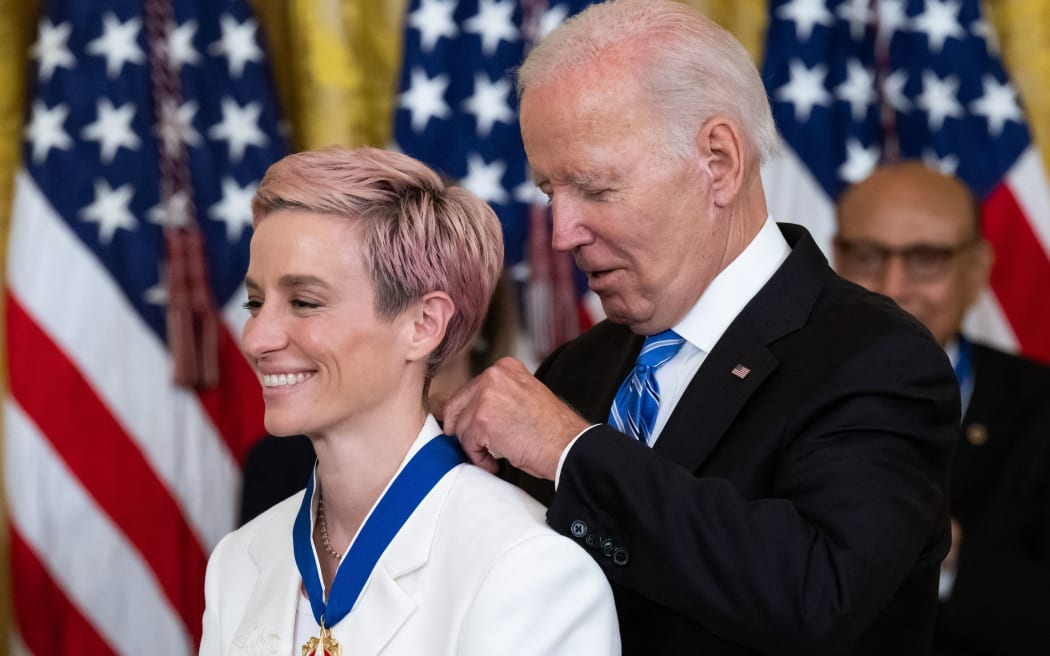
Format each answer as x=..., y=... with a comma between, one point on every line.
x=326, y=645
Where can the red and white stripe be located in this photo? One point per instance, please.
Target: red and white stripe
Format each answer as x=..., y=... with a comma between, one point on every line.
x=1017, y=223
x=118, y=482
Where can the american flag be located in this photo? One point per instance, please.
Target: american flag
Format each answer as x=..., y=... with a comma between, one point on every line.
x=149, y=127
x=853, y=82
x=457, y=111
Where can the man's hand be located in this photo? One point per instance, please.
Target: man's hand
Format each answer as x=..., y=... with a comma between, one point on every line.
x=505, y=412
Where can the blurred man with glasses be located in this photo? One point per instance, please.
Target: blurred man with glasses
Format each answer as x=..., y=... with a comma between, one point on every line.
x=914, y=234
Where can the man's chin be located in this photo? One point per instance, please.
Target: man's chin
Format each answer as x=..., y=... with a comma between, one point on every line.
x=617, y=313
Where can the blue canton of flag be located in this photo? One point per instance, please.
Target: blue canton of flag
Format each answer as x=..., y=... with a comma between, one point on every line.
x=853, y=83
x=954, y=105
x=920, y=79
x=819, y=70
x=457, y=107
x=92, y=142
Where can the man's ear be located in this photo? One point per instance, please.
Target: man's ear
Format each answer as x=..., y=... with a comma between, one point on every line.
x=429, y=323
x=721, y=149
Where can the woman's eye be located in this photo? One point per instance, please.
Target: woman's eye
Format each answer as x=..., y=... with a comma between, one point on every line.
x=252, y=305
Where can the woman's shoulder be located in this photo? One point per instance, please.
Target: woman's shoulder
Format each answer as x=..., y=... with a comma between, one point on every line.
x=479, y=501
x=487, y=529
x=506, y=564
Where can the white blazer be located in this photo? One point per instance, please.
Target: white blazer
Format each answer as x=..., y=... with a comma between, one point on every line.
x=475, y=570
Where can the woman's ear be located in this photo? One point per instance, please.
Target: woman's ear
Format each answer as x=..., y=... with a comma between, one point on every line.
x=721, y=148
x=429, y=323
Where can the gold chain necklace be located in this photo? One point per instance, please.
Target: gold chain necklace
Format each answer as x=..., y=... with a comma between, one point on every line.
x=324, y=529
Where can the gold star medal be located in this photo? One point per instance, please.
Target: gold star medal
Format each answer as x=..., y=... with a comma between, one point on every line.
x=325, y=645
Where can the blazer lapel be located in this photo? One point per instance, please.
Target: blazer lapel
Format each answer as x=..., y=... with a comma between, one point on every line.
x=376, y=617
x=742, y=360
x=714, y=398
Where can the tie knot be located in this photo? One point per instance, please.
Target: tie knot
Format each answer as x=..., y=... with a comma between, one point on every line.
x=660, y=348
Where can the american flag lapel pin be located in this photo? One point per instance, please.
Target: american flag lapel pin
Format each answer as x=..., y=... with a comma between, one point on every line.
x=740, y=371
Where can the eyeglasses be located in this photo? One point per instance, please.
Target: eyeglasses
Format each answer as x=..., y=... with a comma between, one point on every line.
x=922, y=262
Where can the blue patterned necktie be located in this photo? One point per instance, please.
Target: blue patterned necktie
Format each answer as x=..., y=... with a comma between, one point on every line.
x=636, y=404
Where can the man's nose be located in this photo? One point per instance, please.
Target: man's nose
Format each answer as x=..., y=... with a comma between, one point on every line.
x=895, y=281
x=569, y=230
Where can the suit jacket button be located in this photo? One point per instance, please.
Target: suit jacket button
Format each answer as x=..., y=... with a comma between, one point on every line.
x=593, y=540
x=578, y=529
x=620, y=556
x=608, y=548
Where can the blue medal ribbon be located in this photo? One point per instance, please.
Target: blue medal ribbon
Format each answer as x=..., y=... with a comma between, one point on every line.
x=435, y=459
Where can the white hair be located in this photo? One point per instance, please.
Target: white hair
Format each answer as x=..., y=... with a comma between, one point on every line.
x=691, y=68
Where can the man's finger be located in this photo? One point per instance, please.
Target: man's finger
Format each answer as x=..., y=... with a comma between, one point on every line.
x=454, y=408
x=480, y=456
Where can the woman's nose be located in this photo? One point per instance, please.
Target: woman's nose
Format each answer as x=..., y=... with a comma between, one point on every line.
x=263, y=333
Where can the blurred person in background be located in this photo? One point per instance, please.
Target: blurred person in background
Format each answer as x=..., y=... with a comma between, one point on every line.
x=914, y=234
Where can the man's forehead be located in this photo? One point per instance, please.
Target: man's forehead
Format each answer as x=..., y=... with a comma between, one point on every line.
x=902, y=227
x=907, y=207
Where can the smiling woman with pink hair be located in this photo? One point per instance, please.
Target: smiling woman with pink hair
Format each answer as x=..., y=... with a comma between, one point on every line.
x=367, y=272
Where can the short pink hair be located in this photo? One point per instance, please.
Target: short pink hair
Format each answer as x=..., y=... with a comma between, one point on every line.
x=421, y=234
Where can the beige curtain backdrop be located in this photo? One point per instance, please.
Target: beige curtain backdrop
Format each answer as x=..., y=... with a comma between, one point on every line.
x=335, y=64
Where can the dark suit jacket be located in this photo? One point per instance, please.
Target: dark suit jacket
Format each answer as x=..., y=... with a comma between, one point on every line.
x=799, y=509
x=1000, y=494
x=275, y=469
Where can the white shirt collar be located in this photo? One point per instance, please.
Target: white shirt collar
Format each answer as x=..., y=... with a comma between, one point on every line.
x=734, y=287
x=952, y=349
